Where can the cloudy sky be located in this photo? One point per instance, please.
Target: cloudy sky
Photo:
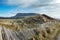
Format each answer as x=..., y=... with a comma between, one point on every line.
x=11, y=7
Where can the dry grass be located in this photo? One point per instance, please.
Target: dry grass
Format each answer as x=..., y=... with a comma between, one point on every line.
x=46, y=33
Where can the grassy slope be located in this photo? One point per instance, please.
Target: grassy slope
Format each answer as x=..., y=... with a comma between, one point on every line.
x=47, y=33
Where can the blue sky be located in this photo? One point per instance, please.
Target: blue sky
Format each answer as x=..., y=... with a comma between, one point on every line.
x=11, y=7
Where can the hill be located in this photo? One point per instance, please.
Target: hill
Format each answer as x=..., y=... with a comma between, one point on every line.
x=19, y=15
x=37, y=27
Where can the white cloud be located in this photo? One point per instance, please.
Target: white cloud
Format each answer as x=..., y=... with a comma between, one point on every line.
x=51, y=10
x=57, y=1
x=27, y=3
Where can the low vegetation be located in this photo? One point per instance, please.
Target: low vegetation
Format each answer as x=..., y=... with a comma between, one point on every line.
x=41, y=26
